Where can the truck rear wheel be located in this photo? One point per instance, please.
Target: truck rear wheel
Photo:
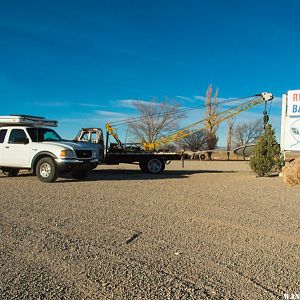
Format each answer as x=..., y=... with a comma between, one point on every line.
x=10, y=172
x=155, y=166
x=46, y=170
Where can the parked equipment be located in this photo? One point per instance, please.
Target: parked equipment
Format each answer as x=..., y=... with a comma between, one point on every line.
x=148, y=155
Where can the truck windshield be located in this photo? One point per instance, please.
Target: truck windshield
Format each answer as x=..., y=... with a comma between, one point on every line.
x=43, y=135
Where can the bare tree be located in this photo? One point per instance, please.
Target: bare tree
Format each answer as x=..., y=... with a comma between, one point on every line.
x=247, y=133
x=156, y=119
x=211, y=111
x=230, y=123
x=196, y=141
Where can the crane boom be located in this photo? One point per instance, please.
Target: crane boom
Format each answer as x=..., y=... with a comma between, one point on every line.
x=212, y=121
x=112, y=131
x=208, y=122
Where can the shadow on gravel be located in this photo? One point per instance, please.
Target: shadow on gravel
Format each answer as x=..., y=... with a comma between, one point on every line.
x=19, y=175
x=97, y=175
x=138, y=175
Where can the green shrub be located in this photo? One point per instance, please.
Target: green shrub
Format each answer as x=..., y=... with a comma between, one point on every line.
x=266, y=155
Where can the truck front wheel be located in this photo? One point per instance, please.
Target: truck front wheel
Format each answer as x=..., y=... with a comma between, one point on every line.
x=46, y=170
x=155, y=166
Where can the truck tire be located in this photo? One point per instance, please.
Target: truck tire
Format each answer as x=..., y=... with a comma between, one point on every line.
x=155, y=166
x=46, y=170
x=80, y=174
x=10, y=172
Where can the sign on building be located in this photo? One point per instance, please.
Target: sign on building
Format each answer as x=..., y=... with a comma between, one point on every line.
x=293, y=103
x=290, y=121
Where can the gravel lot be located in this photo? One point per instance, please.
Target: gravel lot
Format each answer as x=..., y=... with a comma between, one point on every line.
x=209, y=231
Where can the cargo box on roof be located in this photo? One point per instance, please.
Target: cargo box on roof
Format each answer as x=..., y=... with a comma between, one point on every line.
x=24, y=120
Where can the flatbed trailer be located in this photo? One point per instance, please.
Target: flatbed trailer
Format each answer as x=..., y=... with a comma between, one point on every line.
x=118, y=158
x=149, y=162
x=113, y=153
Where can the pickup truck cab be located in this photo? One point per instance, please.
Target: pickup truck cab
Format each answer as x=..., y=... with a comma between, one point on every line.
x=27, y=144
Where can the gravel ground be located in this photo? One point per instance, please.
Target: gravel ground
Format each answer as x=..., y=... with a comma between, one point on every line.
x=209, y=231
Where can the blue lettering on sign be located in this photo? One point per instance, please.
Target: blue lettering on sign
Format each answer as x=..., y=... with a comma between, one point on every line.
x=296, y=108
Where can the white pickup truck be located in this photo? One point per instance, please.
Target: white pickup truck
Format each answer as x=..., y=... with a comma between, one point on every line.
x=27, y=142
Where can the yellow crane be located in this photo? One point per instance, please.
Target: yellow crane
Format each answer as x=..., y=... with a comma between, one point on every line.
x=214, y=120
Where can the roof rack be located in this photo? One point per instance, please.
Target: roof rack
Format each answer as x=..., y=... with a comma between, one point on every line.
x=26, y=120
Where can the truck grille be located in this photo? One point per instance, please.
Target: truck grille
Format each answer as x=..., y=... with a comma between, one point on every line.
x=83, y=153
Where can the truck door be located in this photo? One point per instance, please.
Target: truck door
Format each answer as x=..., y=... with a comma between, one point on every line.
x=17, y=149
x=96, y=137
x=2, y=138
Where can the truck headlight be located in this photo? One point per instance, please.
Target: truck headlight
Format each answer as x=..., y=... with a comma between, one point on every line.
x=94, y=153
x=67, y=153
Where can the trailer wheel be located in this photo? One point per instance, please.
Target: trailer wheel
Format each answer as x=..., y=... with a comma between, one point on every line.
x=10, y=172
x=46, y=170
x=155, y=166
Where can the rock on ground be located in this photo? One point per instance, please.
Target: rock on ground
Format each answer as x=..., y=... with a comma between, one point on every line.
x=291, y=172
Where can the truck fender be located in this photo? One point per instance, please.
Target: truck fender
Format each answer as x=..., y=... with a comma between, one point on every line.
x=40, y=155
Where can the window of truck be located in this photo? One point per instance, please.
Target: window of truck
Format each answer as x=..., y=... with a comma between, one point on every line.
x=2, y=135
x=43, y=135
x=17, y=136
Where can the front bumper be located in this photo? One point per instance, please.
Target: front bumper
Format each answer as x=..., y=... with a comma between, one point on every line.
x=66, y=164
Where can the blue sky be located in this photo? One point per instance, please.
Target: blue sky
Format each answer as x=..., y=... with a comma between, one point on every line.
x=77, y=61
